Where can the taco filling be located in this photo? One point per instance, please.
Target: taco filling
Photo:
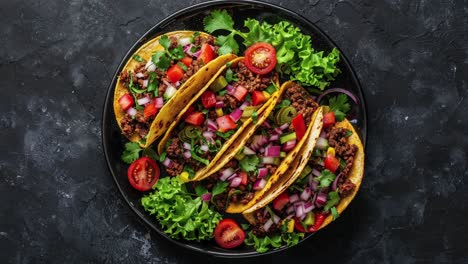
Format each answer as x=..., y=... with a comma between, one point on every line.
x=318, y=189
x=214, y=118
x=150, y=84
x=259, y=158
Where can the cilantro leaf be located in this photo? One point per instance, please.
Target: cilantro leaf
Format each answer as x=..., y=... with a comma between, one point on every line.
x=165, y=42
x=335, y=213
x=218, y=20
x=138, y=58
x=333, y=199
x=340, y=106
x=219, y=188
x=326, y=178
x=230, y=76
x=263, y=244
x=177, y=53
x=226, y=135
x=131, y=152
x=255, y=116
x=249, y=163
x=150, y=153
x=162, y=157
x=161, y=60
x=153, y=84
x=200, y=189
x=227, y=44
x=245, y=226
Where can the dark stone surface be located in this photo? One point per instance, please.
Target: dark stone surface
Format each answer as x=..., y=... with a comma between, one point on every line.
x=58, y=203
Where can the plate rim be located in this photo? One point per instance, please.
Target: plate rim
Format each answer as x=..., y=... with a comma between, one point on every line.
x=142, y=39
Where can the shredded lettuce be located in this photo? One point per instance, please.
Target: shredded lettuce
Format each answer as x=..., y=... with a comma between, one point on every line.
x=264, y=244
x=180, y=215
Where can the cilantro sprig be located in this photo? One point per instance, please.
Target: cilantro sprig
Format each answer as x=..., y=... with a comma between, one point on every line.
x=340, y=106
x=162, y=59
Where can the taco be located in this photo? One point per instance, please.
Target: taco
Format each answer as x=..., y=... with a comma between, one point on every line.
x=202, y=132
x=252, y=165
x=326, y=177
x=163, y=76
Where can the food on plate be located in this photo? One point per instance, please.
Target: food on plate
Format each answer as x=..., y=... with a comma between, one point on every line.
x=251, y=166
x=198, y=138
x=143, y=174
x=163, y=76
x=228, y=234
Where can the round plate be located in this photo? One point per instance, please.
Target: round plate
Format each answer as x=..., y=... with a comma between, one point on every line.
x=191, y=19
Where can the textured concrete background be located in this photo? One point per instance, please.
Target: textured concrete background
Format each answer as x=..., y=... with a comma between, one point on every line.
x=59, y=204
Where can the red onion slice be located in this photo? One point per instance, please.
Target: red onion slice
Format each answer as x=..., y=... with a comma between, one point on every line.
x=235, y=182
x=259, y=184
x=144, y=100
x=273, y=151
x=305, y=195
x=308, y=207
x=204, y=148
x=262, y=172
x=132, y=111
x=226, y=173
x=150, y=66
x=208, y=135
x=321, y=200
x=293, y=198
x=139, y=75
x=335, y=182
x=316, y=173
x=236, y=115
x=338, y=90
x=299, y=210
x=276, y=219
x=290, y=209
x=274, y=138
x=232, y=176
x=267, y=225
x=184, y=41
x=145, y=83
x=167, y=162
x=219, y=104
x=244, y=105
x=187, y=146
x=289, y=145
x=187, y=154
x=312, y=183
x=322, y=143
x=197, y=53
x=230, y=89
x=284, y=126
x=159, y=101
x=206, y=197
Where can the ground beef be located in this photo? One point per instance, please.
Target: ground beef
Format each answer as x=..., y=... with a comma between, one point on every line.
x=176, y=168
x=140, y=124
x=231, y=101
x=220, y=201
x=248, y=79
x=302, y=101
x=174, y=42
x=338, y=140
x=260, y=219
x=346, y=188
x=127, y=125
x=271, y=168
x=124, y=77
x=174, y=150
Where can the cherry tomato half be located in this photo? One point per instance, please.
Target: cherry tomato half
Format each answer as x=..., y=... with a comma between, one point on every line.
x=143, y=173
x=228, y=234
x=260, y=58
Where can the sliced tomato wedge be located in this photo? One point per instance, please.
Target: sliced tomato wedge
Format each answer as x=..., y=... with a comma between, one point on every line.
x=280, y=201
x=331, y=163
x=244, y=177
x=187, y=61
x=225, y=123
x=207, y=54
x=208, y=99
x=228, y=234
x=150, y=110
x=258, y=98
x=240, y=92
x=260, y=58
x=143, y=173
x=195, y=118
x=328, y=119
x=299, y=126
x=126, y=101
x=175, y=73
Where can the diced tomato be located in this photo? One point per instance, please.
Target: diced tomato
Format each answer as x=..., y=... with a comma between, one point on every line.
x=126, y=101
x=207, y=53
x=150, y=110
x=319, y=218
x=244, y=178
x=299, y=126
x=280, y=202
x=228, y=234
x=187, y=61
x=208, y=99
x=258, y=98
x=175, y=73
x=331, y=163
x=328, y=119
x=260, y=58
x=195, y=118
x=225, y=123
x=190, y=110
x=143, y=173
x=240, y=92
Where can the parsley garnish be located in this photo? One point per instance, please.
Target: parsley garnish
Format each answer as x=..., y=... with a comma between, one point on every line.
x=153, y=84
x=162, y=157
x=162, y=59
x=340, y=106
x=245, y=226
x=220, y=187
x=225, y=135
x=348, y=133
x=249, y=163
x=131, y=152
x=138, y=58
x=326, y=178
x=149, y=152
x=333, y=199
x=230, y=76
x=200, y=190
x=335, y=213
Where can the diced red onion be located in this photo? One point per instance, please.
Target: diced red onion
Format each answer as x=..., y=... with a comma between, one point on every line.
x=284, y=126
x=248, y=151
x=219, y=104
x=131, y=111
x=290, y=209
x=276, y=219
x=139, y=75
x=144, y=100
x=226, y=173
x=167, y=162
x=167, y=83
x=159, y=101
x=274, y=138
x=187, y=49
x=299, y=210
x=230, y=89
x=150, y=66
x=338, y=90
x=293, y=198
x=335, y=182
x=312, y=183
x=244, y=105
x=268, y=160
x=315, y=197
x=206, y=197
x=187, y=146
x=316, y=172
x=232, y=176
x=308, y=207
x=322, y=143
x=204, y=148
x=236, y=115
x=321, y=199
x=235, y=182
x=177, y=84
x=262, y=172
x=208, y=135
x=145, y=83
x=267, y=225
x=273, y=151
x=261, y=150
x=289, y=145
x=183, y=41
x=212, y=126
x=305, y=195
x=278, y=131
x=259, y=184
x=187, y=154
x=197, y=53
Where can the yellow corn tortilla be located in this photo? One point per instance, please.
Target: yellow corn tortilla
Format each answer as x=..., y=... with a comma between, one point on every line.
x=283, y=171
x=233, y=140
x=355, y=176
x=185, y=95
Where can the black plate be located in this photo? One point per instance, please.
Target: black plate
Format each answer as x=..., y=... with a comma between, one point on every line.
x=191, y=19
